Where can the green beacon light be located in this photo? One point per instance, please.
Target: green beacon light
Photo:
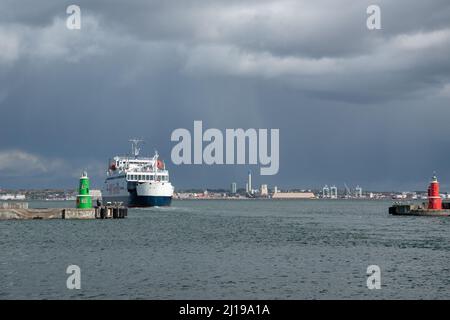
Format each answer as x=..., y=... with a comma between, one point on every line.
x=84, y=199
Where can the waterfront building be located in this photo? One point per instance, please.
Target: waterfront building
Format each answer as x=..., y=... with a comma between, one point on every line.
x=264, y=190
x=293, y=195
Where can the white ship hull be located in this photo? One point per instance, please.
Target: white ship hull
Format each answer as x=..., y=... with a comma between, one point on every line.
x=139, y=194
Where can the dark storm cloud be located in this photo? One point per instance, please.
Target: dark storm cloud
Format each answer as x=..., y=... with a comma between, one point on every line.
x=353, y=105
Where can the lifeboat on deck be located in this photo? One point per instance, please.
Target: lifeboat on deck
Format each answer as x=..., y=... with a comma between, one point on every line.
x=160, y=164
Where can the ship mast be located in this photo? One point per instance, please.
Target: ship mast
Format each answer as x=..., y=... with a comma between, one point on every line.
x=135, y=150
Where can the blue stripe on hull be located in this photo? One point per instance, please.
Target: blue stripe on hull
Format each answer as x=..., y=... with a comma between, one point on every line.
x=141, y=201
x=149, y=201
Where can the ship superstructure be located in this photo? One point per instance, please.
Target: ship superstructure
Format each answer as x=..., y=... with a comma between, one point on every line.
x=138, y=181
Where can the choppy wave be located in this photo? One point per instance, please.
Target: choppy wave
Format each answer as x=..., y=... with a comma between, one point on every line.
x=231, y=250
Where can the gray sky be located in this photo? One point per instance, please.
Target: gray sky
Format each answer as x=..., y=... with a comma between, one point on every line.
x=352, y=105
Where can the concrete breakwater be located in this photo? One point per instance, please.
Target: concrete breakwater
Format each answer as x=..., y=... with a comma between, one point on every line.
x=418, y=210
x=20, y=211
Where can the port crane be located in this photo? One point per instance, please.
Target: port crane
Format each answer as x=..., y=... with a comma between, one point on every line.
x=347, y=191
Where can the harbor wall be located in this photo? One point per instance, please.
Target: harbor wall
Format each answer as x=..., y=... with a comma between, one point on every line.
x=8, y=214
x=416, y=210
x=13, y=205
x=78, y=214
x=20, y=211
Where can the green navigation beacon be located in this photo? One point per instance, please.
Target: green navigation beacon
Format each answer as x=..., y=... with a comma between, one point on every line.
x=84, y=199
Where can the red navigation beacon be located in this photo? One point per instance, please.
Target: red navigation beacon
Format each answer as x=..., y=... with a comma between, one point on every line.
x=434, y=198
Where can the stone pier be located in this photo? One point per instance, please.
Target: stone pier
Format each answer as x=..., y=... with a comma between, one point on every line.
x=20, y=211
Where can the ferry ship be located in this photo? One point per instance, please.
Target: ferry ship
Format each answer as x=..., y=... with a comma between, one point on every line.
x=137, y=181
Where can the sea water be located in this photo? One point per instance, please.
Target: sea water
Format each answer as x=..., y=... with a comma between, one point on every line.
x=230, y=249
